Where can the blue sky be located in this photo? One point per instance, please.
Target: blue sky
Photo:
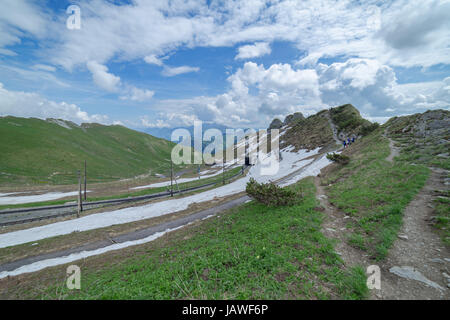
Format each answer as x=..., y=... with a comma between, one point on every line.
x=163, y=64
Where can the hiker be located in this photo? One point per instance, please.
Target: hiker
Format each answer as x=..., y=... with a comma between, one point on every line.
x=345, y=144
x=348, y=141
x=353, y=139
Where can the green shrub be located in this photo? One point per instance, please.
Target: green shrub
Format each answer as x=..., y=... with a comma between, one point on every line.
x=339, y=158
x=369, y=128
x=272, y=195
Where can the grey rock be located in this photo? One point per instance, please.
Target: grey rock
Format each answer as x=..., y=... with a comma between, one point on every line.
x=412, y=274
x=293, y=117
x=276, y=124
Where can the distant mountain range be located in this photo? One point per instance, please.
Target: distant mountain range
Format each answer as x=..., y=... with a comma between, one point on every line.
x=166, y=133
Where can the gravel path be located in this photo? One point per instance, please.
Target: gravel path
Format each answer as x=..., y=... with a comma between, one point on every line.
x=395, y=152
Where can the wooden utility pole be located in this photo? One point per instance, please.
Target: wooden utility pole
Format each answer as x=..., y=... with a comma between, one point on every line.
x=80, y=205
x=171, y=178
x=223, y=168
x=85, y=181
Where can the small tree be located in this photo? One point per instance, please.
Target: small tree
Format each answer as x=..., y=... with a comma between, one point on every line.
x=339, y=158
x=271, y=194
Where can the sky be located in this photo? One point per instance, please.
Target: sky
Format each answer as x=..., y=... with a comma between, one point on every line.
x=166, y=63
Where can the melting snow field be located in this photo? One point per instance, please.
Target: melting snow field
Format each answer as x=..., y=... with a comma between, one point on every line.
x=290, y=163
x=6, y=198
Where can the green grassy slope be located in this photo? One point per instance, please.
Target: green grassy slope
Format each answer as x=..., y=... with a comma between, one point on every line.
x=39, y=152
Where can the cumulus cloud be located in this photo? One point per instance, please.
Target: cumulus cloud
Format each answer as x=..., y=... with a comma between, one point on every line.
x=102, y=77
x=258, y=94
x=26, y=104
x=373, y=88
x=136, y=94
x=159, y=123
x=253, y=51
x=174, y=71
x=152, y=59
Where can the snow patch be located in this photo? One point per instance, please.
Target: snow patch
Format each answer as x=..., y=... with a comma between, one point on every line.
x=6, y=200
x=39, y=265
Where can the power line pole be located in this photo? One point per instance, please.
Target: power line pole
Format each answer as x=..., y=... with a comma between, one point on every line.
x=85, y=181
x=171, y=178
x=80, y=206
x=223, y=168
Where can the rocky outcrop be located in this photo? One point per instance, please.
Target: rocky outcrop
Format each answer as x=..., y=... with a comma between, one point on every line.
x=276, y=124
x=293, y=117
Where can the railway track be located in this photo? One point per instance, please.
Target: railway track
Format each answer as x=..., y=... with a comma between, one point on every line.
x=25, y=215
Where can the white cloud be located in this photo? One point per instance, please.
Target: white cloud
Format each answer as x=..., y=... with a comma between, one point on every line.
x=44, y=67
x=253, y=51
x=174, y=71
x=25, y=104
x=102, y=78
x=400, y=33
x=152, y=59
x=33, y=75
x=258, y=94
x=20, y=18
x=136, y=94
x=373, y=88
x=147, y=123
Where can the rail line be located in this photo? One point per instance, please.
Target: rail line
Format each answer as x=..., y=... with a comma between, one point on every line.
x=94, y=204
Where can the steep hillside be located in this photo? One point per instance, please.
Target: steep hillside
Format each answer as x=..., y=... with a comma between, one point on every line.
x=423, y=137
x=349, y=122
x=318, y=130
x=35, y=151
x=309, y=133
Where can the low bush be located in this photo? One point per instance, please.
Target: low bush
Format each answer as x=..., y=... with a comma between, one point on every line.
x=339, y=158
x=365, y=130
x=272, y=195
